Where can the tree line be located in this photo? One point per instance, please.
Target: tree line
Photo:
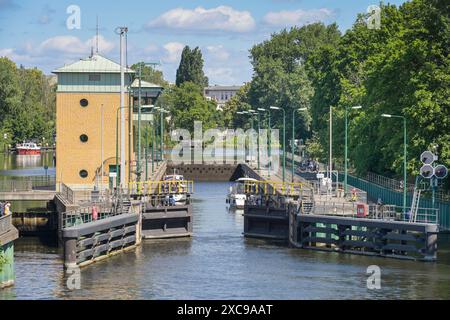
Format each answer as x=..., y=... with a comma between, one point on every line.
x=400, y=69
x=27, y=105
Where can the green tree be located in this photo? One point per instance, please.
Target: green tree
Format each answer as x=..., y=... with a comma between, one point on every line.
x=187, y=104
x=191, y=68
x=151, y=75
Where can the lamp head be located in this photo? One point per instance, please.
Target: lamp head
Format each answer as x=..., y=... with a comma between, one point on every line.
x=384, y=115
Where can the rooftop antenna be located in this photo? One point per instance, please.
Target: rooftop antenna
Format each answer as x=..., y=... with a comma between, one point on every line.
x=97, y=35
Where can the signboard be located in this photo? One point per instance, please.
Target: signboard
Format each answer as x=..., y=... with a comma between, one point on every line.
x=320, y=176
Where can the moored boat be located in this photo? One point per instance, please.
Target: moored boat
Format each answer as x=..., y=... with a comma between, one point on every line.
x=236, y=197
x=176, y=187
x=28, y=148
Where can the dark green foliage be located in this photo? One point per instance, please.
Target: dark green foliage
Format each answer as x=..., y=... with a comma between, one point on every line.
x=191, y=68
x=27, y=104
x=402, y=68
x=151, y=75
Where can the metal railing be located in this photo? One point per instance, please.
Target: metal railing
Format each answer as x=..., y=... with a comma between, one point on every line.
x=161, y=187
x=86, y=214
x=386, y=182
x=376, y=212
x=158, y=201
x=337, y=189
x=5, y=224
x=274, y=188
x=67, y=193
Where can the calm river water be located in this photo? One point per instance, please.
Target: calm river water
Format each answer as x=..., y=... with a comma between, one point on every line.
x=218, y=263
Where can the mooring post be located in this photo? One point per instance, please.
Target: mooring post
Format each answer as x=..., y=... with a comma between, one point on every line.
x=70, y=253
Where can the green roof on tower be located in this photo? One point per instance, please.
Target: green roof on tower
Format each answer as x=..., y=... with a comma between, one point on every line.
x=94, y=64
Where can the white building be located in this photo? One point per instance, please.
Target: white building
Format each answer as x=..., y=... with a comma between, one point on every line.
x=221, y=94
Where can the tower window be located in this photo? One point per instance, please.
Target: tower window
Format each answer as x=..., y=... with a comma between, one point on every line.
x=83, y=174
x=94, y=77
x=84, y=102
x=84, y=138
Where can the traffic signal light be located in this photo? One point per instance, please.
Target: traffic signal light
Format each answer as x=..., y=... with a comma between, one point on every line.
x=427, y=171
x=428, y=157
x=440, y=172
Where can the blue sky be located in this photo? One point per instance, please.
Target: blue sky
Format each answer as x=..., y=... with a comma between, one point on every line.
x=34, y=33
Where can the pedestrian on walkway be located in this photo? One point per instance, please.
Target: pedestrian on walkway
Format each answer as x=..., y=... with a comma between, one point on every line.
x=2, y=209
x=7, y=209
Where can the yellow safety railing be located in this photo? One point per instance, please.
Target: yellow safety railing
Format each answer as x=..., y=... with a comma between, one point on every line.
x=273, y=188
x=162, y=187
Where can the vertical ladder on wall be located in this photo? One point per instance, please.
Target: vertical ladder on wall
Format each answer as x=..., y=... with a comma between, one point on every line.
x=415, y=205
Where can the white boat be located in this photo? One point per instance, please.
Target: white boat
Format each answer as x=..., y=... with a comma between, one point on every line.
x=176, y=188
x=236, y=197
x=28, y=148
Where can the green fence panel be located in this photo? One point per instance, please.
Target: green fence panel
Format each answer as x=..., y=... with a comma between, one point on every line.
x=375, y=191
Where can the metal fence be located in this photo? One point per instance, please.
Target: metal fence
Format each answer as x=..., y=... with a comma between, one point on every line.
x=86, y=215
x=376, y=212
x=388, y=196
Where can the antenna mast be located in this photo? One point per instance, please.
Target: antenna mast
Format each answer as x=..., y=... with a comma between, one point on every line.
x=97, y=34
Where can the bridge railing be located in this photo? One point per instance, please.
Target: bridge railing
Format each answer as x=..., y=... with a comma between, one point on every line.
x=5, y=224
x=167, y=187
x=274, y=188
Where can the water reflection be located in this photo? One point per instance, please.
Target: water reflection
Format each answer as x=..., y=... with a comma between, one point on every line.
x=34, y=165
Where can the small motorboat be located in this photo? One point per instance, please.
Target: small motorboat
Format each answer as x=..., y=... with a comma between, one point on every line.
x=28, y=148
x=175, y=187
x=236, y=197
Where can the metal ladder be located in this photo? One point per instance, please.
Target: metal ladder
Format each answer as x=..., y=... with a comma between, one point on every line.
x=415, y=205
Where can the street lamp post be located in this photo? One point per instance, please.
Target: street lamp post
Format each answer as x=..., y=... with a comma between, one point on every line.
x=284, y=140
x=346, y=148
x=257, y=137
x=293, y=140
x=251, y=113
x=405, y=154
x=162, y=112
x=268, y=112
x=118, y=180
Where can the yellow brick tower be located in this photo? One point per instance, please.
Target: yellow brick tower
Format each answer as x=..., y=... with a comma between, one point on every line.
x=87, y=106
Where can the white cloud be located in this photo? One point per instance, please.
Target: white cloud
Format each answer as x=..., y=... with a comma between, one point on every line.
x=73, y=45
x=172, y=52
x=218, y=52
x=56, y=51
x=222, y=18
x=297, y=17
